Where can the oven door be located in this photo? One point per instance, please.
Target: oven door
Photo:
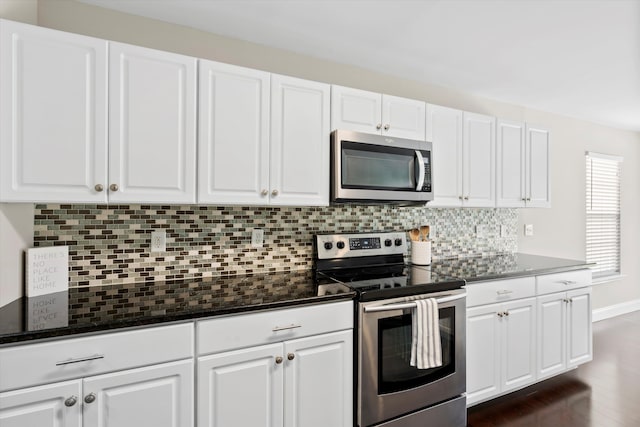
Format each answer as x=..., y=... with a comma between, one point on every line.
x=388, y=386
x=377, y=168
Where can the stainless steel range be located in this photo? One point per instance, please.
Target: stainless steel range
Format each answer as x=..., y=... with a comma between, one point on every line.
x=389, y=390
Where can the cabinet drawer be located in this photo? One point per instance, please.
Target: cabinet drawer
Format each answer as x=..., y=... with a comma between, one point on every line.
x=245, y=330
x=33, y=364
x=500, y=290
x=560, y=282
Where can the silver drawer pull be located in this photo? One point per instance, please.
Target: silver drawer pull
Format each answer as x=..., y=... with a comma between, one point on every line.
x=284, y=328
x=504, y=292
x=83, y=359
x=567, y=282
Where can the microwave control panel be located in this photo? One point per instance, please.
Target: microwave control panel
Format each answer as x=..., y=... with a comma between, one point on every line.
x=426, y=186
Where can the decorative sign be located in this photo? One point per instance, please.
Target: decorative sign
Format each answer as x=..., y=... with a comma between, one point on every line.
x=48, y=311
x=47, y=270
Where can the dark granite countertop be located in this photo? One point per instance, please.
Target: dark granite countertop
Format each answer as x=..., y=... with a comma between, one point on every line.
x=504, y=266
x=101, y=308
x=109, y=307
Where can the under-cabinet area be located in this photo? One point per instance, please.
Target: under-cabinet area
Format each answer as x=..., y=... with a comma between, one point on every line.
x=265, y=368
x=524, y=330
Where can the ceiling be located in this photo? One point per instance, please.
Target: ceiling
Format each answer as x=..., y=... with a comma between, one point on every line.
x=579, y=58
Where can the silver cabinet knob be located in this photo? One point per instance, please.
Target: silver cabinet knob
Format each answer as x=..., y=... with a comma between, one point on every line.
x=279, y=359
x=378, y=126
x=386, y=127
x=99, y=188
x=528, y=199
x=113, y=187
x=90, y=398
x=291, y=356
x=71, y=401
x=264, y=192
x=500, y=314
x=460, y=197
x=466, y=197
x=274, y=193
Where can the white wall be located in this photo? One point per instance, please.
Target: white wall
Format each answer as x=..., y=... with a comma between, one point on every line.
x=559, y=231
x=20, y=10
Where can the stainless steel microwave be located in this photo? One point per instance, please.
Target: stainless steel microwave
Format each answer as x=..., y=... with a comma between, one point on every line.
x=367, y=168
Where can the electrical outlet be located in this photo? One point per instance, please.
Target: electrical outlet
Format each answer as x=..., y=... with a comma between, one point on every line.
x=528, y=229
x=158, y=241
x=503, y=231
x=257, y=238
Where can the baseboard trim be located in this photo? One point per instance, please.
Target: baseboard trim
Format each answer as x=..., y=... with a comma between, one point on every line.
x=615, y=310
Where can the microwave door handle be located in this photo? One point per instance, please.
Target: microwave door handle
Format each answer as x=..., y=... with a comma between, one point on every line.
x=420, y=180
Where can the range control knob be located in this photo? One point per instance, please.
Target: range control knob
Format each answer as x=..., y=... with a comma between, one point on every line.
x=340, y=245
x=388, y=242
x=398, y=242
x=328, y=245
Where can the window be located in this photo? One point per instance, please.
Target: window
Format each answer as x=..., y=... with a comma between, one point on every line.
x=603, y=213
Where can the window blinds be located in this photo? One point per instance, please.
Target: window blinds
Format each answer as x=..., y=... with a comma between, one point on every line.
x=603, y=213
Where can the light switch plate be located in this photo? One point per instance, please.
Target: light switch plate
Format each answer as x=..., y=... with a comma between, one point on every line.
x=528, y=229
x=257, y=238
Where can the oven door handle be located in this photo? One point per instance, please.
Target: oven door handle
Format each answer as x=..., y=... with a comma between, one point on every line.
x=420, y=180
x=411, y=304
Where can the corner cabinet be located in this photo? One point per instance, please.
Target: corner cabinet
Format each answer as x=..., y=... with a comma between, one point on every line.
x=58, y=106
x=520, y=331
x=278, y=368
x=263, y=139
x=522, y=165
x=371, y=112
x=463, y=157
x=124, y=379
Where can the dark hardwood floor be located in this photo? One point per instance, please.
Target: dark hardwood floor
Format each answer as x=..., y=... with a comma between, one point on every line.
x=601, y=393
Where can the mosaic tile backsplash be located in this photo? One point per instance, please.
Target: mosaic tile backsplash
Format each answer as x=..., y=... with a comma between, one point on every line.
x=110, y=244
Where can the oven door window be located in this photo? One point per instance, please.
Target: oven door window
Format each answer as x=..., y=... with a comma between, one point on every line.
x=373, y=167
x=394, y=353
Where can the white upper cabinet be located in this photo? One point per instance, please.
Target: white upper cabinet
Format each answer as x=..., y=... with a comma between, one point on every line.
x=53, y=115
x=522, y=165
x=371, y=112
x=478, y=160
x=152, y=125
x=264, y=139
x=538, y=148
x=53, y=112
x=299, y=147
x=463, y=157
x=233, y=140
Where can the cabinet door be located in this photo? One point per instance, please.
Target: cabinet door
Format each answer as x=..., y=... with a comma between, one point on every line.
x=241, y=388
x=153, y=396
x=478, y=160
x=444, y=130
x=403, y=118
x=356, y=110
x=152, y=125
x=299, y=147
x=510, y=164
x=53, y=115
x=483, y=352
x=579, y=327
x=551, y=334
x=43, y=406
x=233, y=135
x=518, y=343
x=319, y=381
x=537, y=167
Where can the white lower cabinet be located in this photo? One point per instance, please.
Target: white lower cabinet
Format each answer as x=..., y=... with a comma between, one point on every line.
x=296, y=380
x=44, y=406
x=500, y=348
x=565, y=338
x=136, y=378
x=525, y=330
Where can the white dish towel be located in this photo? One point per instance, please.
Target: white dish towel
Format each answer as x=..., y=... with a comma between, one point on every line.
x=426, y=349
